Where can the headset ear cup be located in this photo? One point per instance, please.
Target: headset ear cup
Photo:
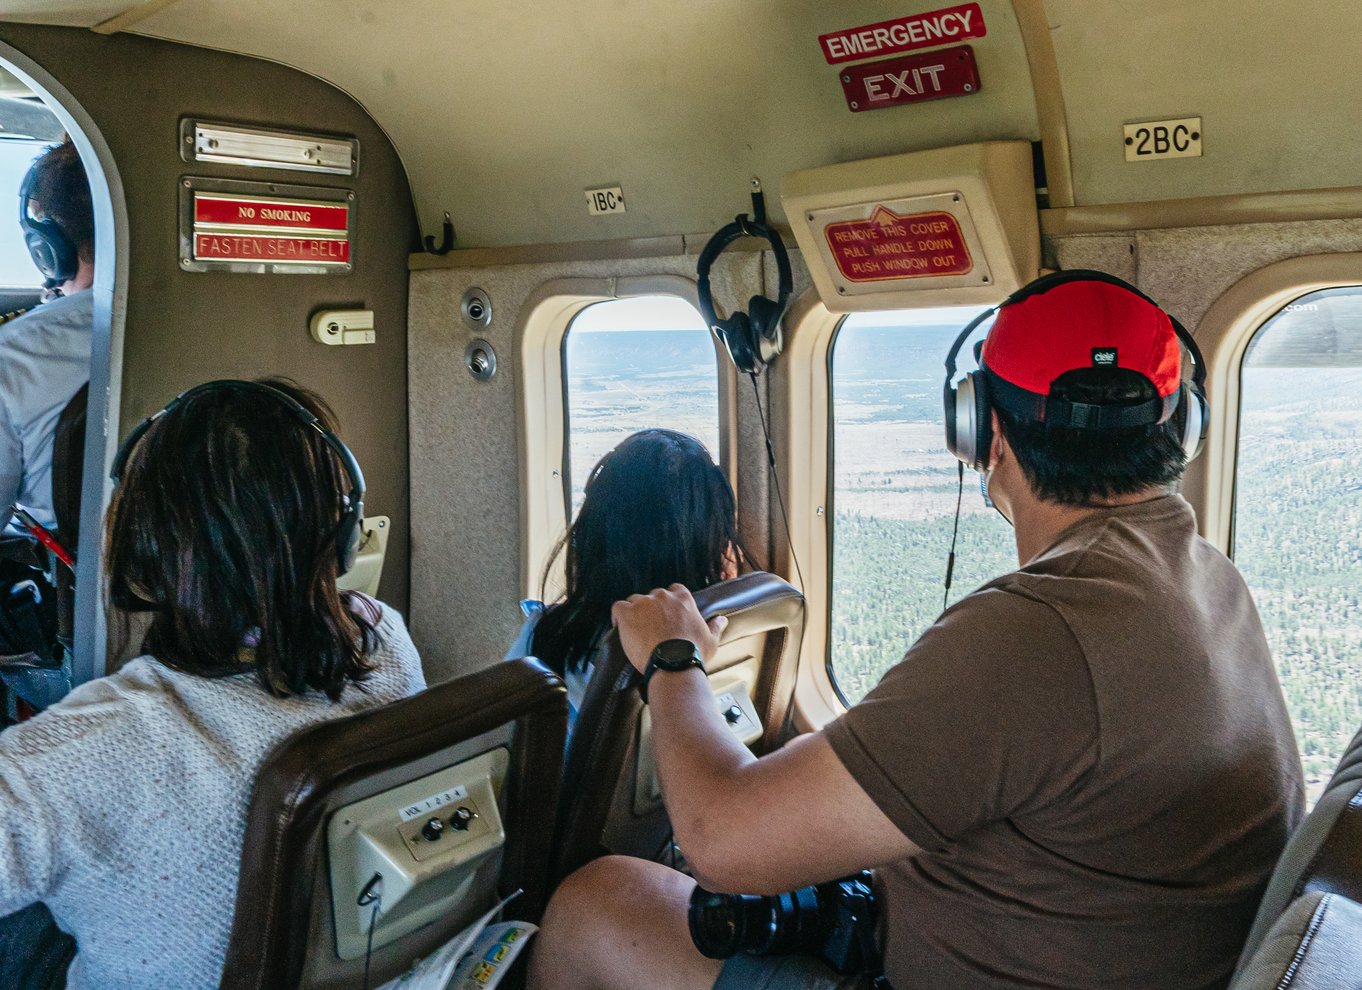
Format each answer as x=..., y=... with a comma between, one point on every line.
x=349, y=536
x=1195, y=420
x=983, y=422
x=736, y=333
x=767, y=335
x=969, y=429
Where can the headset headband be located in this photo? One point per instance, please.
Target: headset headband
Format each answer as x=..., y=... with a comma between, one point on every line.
x=742, y=226
x=1081, y=415
x=298, y=410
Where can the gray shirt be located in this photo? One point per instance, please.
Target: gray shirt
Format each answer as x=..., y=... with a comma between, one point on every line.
x=124, y=808
x=44, y=360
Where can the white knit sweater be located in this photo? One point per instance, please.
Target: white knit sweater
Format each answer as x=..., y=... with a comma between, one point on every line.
x=124, y=808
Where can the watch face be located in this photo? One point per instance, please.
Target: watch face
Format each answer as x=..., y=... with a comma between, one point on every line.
x=676, y=654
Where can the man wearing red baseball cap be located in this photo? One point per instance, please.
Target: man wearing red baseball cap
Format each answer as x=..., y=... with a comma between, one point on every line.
x=1081, y=775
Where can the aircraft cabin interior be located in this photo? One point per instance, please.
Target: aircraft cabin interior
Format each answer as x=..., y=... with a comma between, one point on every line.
x=496, y=241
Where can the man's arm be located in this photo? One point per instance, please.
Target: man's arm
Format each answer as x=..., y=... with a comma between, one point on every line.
x=746, y=825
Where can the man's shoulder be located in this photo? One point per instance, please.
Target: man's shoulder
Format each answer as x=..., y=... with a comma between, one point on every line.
x=55, y=334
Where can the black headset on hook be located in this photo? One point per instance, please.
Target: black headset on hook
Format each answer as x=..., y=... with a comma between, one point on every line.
x=350, y=529
x=754, y=338
x=49, y=247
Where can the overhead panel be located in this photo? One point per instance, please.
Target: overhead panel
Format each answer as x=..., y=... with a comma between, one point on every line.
x=1274, y=84
x=946, y=227
x=506, y=112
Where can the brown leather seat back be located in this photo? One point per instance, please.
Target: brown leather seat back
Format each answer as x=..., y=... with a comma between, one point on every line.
x=68, y=467
x=1324, y=854
x=603, y=808
x=284, y=933
x=68, y=474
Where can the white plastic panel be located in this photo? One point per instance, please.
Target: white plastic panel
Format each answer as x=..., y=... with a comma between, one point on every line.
x=433, y=841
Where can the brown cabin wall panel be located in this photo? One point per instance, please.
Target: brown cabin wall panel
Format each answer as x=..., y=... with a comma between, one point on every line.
x=183, y=328
x=466, y=483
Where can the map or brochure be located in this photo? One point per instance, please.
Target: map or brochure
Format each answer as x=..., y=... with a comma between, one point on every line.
x=491, y=955
x=475, y=959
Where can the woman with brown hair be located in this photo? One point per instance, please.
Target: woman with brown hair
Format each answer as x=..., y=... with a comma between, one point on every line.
x=124, y=806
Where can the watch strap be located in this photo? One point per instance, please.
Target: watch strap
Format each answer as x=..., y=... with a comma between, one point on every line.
x=654, y=666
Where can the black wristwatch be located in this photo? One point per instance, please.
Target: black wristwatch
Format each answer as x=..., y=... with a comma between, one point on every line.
x=670, y=654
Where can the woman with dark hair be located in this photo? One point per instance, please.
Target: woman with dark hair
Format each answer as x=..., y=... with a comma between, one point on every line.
x=656, y=511
x=124, y=806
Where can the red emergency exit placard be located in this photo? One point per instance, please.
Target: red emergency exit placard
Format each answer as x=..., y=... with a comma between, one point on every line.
x=889, y=246
x=904, y=34
x=910, y=79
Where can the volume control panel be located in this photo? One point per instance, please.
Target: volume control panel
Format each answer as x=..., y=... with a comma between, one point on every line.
x=432, y=833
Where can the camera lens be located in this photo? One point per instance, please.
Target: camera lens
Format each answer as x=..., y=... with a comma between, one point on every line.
x=722, y=925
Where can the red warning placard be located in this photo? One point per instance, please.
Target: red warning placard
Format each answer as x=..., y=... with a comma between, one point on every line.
x=258, y=211
x=910, y=79
x=888, y=246
x=278, y=250
x=905, y=34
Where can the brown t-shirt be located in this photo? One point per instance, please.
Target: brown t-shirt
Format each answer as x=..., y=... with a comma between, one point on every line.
x=1094, y=755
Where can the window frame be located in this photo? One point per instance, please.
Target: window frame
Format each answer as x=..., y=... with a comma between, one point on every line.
x=542, y=398
x=1224, y=335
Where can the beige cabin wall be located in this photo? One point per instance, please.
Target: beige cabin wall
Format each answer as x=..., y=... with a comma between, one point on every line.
x=467, y=571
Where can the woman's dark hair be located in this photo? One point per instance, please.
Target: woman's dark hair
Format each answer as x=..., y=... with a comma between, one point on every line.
x=223, y=527
x=1081, y=467
x=657, y=511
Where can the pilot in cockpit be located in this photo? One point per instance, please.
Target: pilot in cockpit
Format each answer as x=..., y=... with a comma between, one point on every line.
x=45, y=353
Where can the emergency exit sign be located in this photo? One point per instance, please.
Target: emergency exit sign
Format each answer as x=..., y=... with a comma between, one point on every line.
x=894, y=82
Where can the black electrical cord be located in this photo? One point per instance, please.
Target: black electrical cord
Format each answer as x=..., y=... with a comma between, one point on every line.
x=775, y=478
x=371, y=894
x=955, y=533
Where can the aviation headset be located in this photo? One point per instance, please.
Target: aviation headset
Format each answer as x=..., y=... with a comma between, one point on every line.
x=753, y=338
x=349, y=533
x=969, y=428
x=49, y=247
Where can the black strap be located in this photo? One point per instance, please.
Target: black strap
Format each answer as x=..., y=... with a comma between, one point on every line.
x=1027, y=406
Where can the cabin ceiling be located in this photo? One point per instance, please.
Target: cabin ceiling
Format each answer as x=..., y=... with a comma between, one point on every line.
x=505, y=111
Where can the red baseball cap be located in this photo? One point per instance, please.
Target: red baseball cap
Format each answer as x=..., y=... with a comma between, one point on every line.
x=1082, y=323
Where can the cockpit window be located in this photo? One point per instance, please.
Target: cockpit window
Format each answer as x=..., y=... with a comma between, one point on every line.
x=16, y=268
x=894, y=493
x=635, y=363
x=1298, y=513
x=27, y=129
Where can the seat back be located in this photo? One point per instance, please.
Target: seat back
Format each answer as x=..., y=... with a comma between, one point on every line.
x=611, y=801
x=68, y=467
x=1315, y=945
x=345, y=799
x=1324, y=854
x=68, y=474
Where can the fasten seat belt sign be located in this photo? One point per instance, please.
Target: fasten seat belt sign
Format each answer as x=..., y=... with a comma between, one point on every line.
x=904, y=34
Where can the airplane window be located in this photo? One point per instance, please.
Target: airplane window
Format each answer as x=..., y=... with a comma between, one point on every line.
x=894, y=492
x=1298, y=513
x=16, y=268
x=635, y=363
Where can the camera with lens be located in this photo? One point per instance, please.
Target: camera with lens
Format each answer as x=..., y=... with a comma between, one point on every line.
x=834, y=920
